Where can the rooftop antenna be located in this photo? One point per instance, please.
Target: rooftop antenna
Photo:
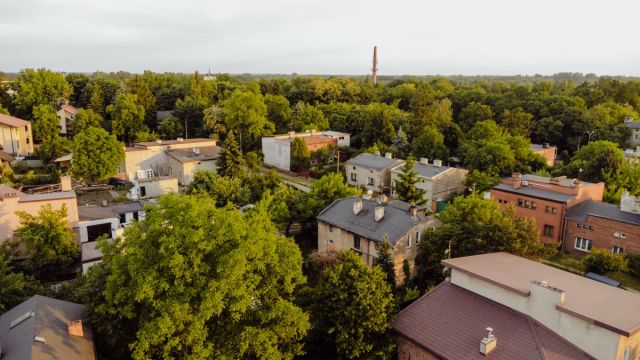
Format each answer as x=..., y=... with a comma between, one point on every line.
x=375, y=65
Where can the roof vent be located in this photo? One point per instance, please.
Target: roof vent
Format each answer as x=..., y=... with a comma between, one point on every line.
x=196, y=151
x=75, y=328
x=40, y=339
x=357, y=206
x=388, y=155
x=437, y=163
x=379, y=213
x=488, y=344
x=424, y=161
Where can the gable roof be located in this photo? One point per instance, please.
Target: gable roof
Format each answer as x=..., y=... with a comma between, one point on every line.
x=49, y=320
x=69, y=108
x=450, y=322
x=396, y=222
x=12, y=121
x=614, y=309
x=427, y=171
x=581, y=211
x=373, y=161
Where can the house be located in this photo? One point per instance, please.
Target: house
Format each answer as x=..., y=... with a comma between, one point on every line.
x=438, y=182
x=178, y=158
x=277, y=148
x=67, y=115
x=15, y=136
x=546, y=151
x=361, y=224
x=12, y=201
x=597, y=225
x=632, y=156
x=545, y=200
x=106, y=220
x=634, y=138
x=153, y=187
x=45, y=328
x=371, y=171
x=501, y=306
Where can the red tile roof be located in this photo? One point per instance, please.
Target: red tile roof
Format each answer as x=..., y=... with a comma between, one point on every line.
x=69, y=108
x=450, y=322
x=12, y=121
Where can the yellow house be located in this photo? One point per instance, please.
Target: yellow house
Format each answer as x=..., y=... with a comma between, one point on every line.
x=15, y=136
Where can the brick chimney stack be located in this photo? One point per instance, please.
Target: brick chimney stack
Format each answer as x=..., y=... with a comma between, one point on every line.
x=517, y=180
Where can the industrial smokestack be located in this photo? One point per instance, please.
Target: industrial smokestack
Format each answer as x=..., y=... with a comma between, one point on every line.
x=375, y=65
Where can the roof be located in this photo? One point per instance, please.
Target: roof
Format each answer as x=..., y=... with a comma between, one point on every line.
x=89, y=252
x=49, y=320
x=58, y=195
x=614, y=309
x=12, y=121
x=6, y=156
x=163, y=114
x=536, y=147
x=581, y=211
x=633, y=124
x=450, y=322
x=7, y=191
x=108, y=212
x=428, y=171
x=172, y=142
x=63, y=158
x=373, y=161
x=335, y=133
x=69, y=108
x=396, y=221
x=157, y=178
x=187, y=155
x=536, y=193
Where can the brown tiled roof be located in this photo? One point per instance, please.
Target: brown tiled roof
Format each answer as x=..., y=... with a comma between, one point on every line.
x=450, y=322
x=12, y=121
x=605, y=306
x=69, y=108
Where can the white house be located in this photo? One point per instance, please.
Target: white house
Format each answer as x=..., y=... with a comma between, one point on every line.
x=277, y=148
x=66, y=115
x=371, y=171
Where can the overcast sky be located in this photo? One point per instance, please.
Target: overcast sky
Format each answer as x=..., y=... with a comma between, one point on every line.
x=322, y=37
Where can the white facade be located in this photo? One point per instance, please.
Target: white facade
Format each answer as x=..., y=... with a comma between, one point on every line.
x=277, y=152
x=153, y=187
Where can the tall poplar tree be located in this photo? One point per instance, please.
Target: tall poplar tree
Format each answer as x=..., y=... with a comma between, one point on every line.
x=231, y=162
x=405, y=186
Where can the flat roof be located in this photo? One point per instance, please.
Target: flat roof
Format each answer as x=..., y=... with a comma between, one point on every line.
x=97, y=212
x=48, y=196
x=172, y=142
x=535, y=192
x=605, y=306
x=428, y=171
x=187, y=155
x=535, y=147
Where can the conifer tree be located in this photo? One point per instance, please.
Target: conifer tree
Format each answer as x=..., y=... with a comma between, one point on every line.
x=385, y=260
x=230, y=162
x=405, y=186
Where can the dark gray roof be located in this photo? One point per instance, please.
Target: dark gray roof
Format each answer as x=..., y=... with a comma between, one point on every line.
x=49, y=196
x=396, y=221
x=108, y=212
x=49, y=320
x=535, y=192
x=187, y=155
x=427, y=171
x=373, y=161
x=535, y=147
x=603, y=210
x=633, y=124
x=163, y=114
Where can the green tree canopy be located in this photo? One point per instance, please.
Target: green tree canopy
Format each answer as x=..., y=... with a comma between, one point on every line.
x=592, y=161
x=329, y=188
x=144, y=97
x=47, y=131
x=405, y=186
x=223, y=190
x=86, y=118
x=430, y=145
x=246, y=113
x=194, y=281
x=127, y=117
x=39, y=87
x=386, y=262
x=231, y=162
x=171, y=128
x=474, y=113
x=15, y=287
x=278, y=112
x=96, y=154
x=300, y=155
x=308, y=117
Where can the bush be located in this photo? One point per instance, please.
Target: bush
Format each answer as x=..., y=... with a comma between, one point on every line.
x=633, y=264
x=603, y=261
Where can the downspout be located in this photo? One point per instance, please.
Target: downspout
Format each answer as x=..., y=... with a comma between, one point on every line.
x=564, y=230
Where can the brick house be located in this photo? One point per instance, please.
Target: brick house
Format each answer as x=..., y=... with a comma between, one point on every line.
x=548, y=152
x=361, y=224
x=501, y=306
x=598, y=225
x=545, y=200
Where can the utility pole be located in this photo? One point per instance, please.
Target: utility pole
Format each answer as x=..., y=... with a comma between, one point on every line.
x=590, y=133
x=338, y=161
x=375, y=65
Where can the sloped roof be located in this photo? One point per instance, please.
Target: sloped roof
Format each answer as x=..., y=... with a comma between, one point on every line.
x=69, y=108
x=373, y=161
x=535, y=192
x=12, y=121
x=427, y=171
x=396, y=222
x=614, y=309
x=600, y=209
x=6, y=156
x=49, y=320
x=450, y=322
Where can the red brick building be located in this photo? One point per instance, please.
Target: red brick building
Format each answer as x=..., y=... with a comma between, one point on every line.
x=545, y=200
x=548, y=152
x=597, y=225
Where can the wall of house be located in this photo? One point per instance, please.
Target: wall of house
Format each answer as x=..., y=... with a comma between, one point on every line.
x=154, y=158
x=440, y=187
x=83, y=225
x=634, y=139
x=277, y=153
x=158, y=187
x=541, y=306
x=381, y=178
x=548, y=154
x=407, y=350
x=185, y=171
x=16, y=141
x=602, y=235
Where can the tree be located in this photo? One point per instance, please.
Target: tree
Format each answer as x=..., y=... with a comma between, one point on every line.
x=194, y=281
x=592, y=161
x=481, y=181
x=39, y=87
x=96, y=154
x=474, y=113
x=78, y=82
x=127, y=117
x=386, y=262
x=308, y=117
x=353, y=307
x=144, y=97
x=405, y=186
x=48, y=240
x=223, y=190
x=430, y=145
x=86, y=118
x=171, y=128
x=603, y=261
x=278, y=111
x=96, y=102
x=517, y=121
x=190, y=111
x=231, y=162
x=14, y=287
x=47, y=132
x=329, y=188
x=246, y=113
x=300, y=155
x=625, y=178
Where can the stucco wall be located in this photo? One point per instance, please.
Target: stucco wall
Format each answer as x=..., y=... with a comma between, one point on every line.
x=84, y=225
x=16, y=141
x=381, y=178
x=409, y=351
x=277, y=153
x=159, y=187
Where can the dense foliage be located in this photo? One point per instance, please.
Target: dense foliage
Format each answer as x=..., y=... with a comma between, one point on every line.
x=96, y=154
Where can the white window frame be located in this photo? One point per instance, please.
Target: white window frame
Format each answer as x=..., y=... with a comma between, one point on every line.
x=585, y=244
x=409, y=241
x=617, y=250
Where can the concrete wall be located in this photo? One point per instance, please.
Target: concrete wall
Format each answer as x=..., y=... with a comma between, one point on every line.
x=16, y=141
x=541, y=306
x=407, y=350
x=634, y=139
x=440, y=187
x=381, y=178
x=153, y=158
x=602, y=235
x=83, y=225
x=157, y=187
x=277, y=153
x=185, y=171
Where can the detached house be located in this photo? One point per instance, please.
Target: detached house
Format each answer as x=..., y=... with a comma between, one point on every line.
x=67, y=115
x=634, y=138
x=371, y=171
x=500, y=306
x=438, y=182
x=277, y=148
x=15, y=136
x=361, y=225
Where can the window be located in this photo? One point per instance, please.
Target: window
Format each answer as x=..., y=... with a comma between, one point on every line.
x=370, y=181
x=520, y=202
x=331, y=228
x=135, y=215
x=583, y=244
x=409, y=241
x=356, y=242
x=377, y=245
x=417, y=237
x=548, y=231
x=526, y=204
x=533, y=205
x=26, y=128
x=143, y=191
x=620, y=235
x=27, y=140
x=617, y=250
x=123, y=218
x=354, y=177
x=553, y=210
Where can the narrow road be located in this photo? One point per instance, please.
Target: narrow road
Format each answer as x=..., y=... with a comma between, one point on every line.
x=299, y=183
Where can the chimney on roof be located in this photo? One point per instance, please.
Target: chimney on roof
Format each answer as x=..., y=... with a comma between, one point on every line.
x=369, y=195
x=158, y=141
x=377, y=153
x=357, y=206
x=437, y=163
x=196, y=151
x=488, y=344
x=75, y=328
x=388, y=155
x=65, y=183
x=517, y=180
x=413, y=210
x=424, y=161
x=379, y=212
x=180, y=139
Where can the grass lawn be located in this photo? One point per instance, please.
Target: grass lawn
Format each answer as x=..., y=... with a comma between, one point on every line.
x=627, y=280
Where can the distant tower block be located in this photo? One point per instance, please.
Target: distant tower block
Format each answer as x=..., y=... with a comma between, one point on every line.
x=375, y=65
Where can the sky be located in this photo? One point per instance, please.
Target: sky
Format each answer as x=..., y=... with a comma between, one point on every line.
x=418, y=37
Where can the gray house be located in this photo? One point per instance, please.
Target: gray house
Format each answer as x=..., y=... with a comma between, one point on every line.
x=371, y=171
